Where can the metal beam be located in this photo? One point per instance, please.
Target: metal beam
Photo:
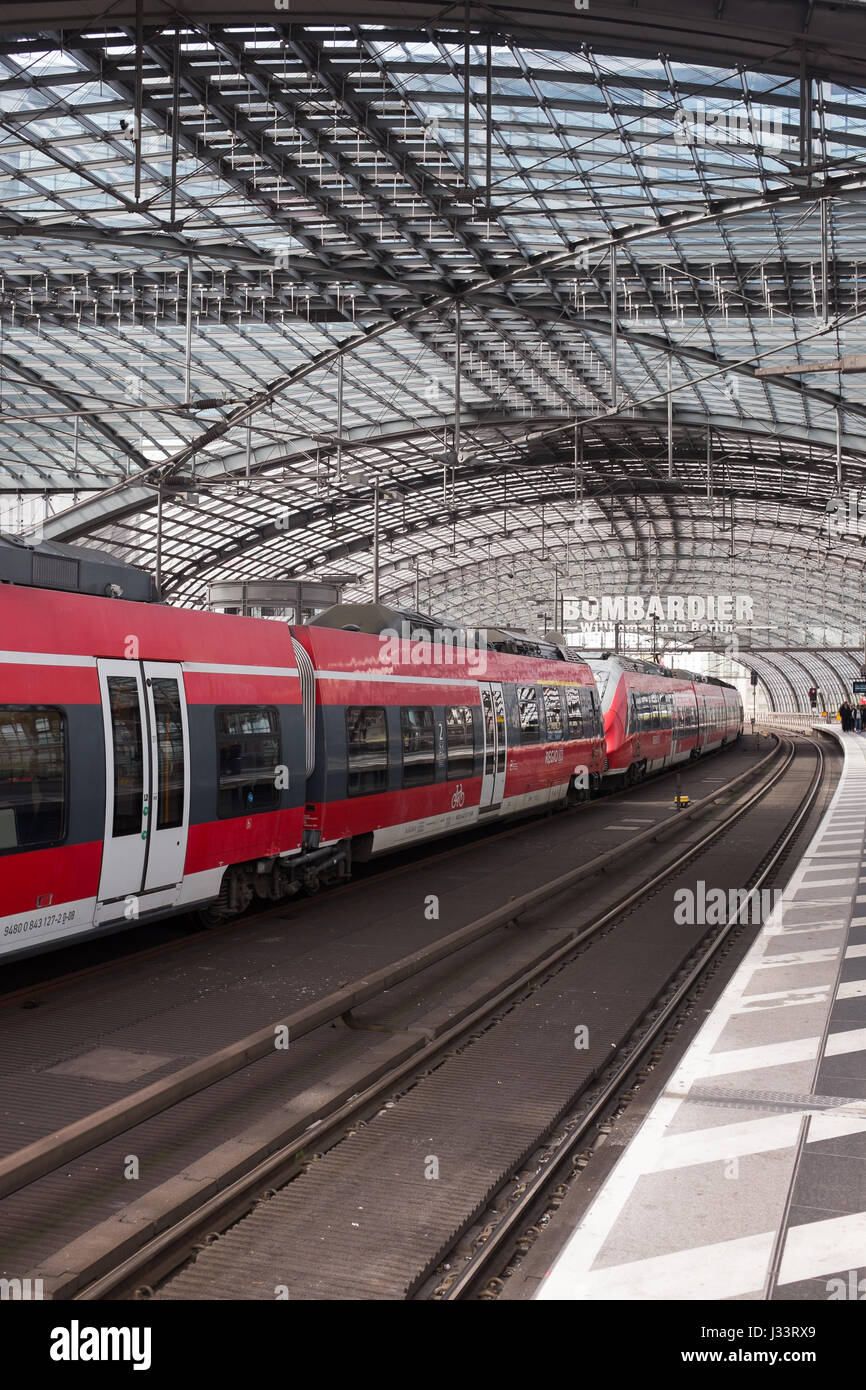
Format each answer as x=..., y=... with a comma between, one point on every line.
x=66, y=398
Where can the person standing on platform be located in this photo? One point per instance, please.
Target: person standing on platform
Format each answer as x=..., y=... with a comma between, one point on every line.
x=845, y=716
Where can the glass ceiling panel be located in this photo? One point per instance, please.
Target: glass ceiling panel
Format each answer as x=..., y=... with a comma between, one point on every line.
x=176, y=297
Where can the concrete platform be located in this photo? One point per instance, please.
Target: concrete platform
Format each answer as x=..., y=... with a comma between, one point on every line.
x=747, y=1177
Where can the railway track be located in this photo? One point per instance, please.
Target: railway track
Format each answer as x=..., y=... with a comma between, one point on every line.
x=506, y=1235
x=141, y=1244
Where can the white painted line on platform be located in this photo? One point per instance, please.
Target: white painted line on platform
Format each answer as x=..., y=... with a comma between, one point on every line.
x=805, y=994
x=823, y=1247
x=719, y=1143
x=828, y=882
x=776, y=1054
x=805, y=928
x=724, y=1270
x=854, y=1040
x=816, y=957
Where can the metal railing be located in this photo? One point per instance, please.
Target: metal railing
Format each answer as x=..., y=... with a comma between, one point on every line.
x=799, y=721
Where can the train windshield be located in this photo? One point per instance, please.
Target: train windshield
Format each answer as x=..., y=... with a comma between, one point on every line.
x=602, y=677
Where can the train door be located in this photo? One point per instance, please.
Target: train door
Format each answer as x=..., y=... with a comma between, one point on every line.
x=633, y=724
x=702, y=722
x=495, y=745
x=147, y=786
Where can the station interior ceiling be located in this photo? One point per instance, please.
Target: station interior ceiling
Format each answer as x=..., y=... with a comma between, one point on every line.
x=502, y=293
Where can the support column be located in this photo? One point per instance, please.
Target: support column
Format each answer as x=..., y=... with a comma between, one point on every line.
x=488, y=96
x=158, y=570
x=339, y=419
x=467, y=55
x=457, y=438
x=187, y=369
x=376, y=540
x=139, y=82
x=670, y=417
x=613, y=327
x=175, y=128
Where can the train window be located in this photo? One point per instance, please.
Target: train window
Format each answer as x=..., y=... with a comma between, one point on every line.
x=552, y=711
x=646, y=712
x=594, y=715
x=419, y=746
x=459, y=741
x=575, y=714
x=128, y=755
x=527, y=711
x=32, y=777
x=637, y=723
x=367, y=749
x=169, y=752
x=248, y=746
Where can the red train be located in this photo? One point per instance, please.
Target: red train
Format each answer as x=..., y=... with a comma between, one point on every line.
x=155, y=760
x=655, y=717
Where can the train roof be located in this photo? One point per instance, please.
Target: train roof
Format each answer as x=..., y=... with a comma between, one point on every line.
x=74, y=569
x=377, y=618
x=517, y=643
x=655, y=668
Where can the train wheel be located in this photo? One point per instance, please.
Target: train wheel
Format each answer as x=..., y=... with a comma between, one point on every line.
x=209, y=920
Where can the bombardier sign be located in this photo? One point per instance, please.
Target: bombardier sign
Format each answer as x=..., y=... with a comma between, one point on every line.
x=679, y=612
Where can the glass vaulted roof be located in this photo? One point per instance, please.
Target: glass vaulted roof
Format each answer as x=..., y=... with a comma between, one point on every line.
x=251, y=276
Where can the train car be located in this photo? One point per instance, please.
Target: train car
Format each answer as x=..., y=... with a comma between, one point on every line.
x=143, y=749
x=656, y=717
x=720, y=713
x=418, y=735
x=156, y=760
